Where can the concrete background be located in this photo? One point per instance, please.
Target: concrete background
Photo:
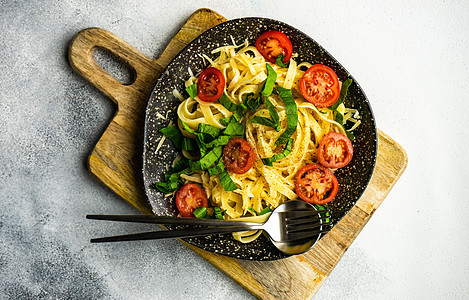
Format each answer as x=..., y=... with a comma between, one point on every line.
x=410, y=57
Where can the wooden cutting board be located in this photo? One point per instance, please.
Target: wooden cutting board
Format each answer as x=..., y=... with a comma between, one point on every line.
x=116, y=160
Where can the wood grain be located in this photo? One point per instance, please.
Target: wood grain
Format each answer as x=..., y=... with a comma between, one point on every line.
x=116, y=160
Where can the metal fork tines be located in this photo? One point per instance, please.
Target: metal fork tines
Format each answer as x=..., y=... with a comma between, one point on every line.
x=301, y=225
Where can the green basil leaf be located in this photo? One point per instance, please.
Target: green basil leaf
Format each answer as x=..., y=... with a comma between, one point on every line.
x=350, y=135
x=339, y=118
x=252, y=102
x=188, y=129
x=226, y=102
x=200, y=212
x=174, y=135
x=178, y=139
x=273, y=122
x=217, y=169
x=218, y=213
x=172, y=176
x=226, y=181
x=163, y=187
x=192, y=90
x=288, y=148
x=279, y=61
x=180, y=165
x=263, y=121
x=265, y=211
x=210, y=158
x=189, y=144
x=342, y=95
x=208, y=133
x=194, y=165
x=269, y=83
x=253, y=210
x=202, y=149
x=237, y=110
x=234, y=129
x=326, y=214
x=221, y=140
x=225, y=121
x=273, y=114
x=292, y=115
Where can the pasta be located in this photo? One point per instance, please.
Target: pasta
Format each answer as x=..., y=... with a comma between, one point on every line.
x=244, y=69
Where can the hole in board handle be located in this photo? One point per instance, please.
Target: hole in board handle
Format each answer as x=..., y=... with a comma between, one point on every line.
x=115, y=66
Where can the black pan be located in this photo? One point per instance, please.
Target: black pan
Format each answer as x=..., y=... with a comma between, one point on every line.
x=353, y=178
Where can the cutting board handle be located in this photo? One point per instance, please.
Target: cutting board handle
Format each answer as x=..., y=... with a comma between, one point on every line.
x=82, y=60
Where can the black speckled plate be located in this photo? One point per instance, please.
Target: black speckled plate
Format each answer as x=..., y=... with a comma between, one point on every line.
x=353, y=178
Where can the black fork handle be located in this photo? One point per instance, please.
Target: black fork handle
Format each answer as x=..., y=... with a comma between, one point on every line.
x=163, y=234
x=170, y=220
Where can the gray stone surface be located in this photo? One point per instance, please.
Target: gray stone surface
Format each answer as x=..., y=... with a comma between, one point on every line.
x=410, y=58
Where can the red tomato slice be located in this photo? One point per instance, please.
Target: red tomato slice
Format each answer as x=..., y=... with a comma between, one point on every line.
x=273, y=43
x=210, y=85
x=238, y=156
x=316, y=184
x=189, y=197
x=335, y=151
x=320, y=86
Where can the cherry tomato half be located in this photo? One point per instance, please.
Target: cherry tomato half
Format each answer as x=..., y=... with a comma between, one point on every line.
x=316, y=184
x=320, y=86
x=335, y=150
x=273, y=43
x=210, y=85
x=238, y=156
x=189, y=197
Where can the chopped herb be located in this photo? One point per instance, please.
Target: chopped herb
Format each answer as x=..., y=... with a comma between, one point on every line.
x=292, y=114
x=210, y=158
x=194, y=165
x=326, y=214
x=207, y=133
x=253, y=210
x=192, y=90
x=179, y=166
x=349, y=135
x=237, y=110
x=226, y=102
x=226, y=181
x=172, y=177
x=238, y=114
x=279, y=61
x=225, y=121
x=188, y=129
x=339, y=118
x=265, y=211
x=218, y=213
x=273, y=122
x=175, y=136
x=269, y=83
x=221, y=140
x=273, y=114
x=251, y=102
x=234, y=129
x=217, y=169
x=200, y=212
x=342, y=95
x=288, y=148
x=263, y=121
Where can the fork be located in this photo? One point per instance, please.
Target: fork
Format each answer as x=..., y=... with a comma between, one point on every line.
x=292, y=227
